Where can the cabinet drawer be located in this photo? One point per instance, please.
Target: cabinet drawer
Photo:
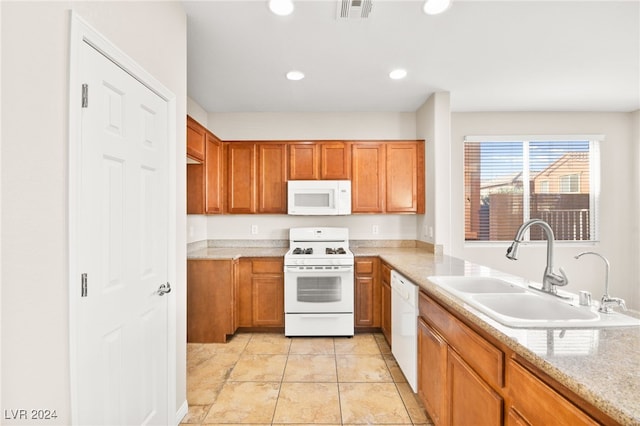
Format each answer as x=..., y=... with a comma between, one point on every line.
x=482, y=356
x=267, y=266
x=536, y=402
x=364, y=266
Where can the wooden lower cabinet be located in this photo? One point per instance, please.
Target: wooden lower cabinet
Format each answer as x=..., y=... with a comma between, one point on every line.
x=532, y=402
x=455, y=389
x=432, y=372
x=471, y=400
x=385, y=300
x=261, y=293
x=210, y=300
x=467, y=378
x=367, y=293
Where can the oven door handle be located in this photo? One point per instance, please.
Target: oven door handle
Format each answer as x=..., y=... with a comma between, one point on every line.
x=317, y=270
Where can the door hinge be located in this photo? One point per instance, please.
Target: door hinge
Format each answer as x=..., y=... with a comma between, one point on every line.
x=85, y=95
x=83, y=293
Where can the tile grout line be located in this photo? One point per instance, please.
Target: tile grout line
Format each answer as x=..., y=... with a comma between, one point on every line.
x=335, y=364
x=381, y=349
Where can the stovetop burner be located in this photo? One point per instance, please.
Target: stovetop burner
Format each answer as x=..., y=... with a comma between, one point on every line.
x=299, y=250
x=338, y=250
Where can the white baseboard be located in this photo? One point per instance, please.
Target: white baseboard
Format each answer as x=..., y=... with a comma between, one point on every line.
x=182, y=411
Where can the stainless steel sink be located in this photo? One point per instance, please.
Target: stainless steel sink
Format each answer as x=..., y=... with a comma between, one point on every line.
x=517, y=306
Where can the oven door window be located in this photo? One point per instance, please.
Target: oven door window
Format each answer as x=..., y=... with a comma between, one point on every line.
x=319, y=289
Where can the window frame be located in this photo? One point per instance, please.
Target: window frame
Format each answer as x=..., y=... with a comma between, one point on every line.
x=594, y=192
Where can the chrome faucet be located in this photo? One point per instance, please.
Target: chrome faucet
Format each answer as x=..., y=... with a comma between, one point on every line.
x=607, y=301
x=550, y=279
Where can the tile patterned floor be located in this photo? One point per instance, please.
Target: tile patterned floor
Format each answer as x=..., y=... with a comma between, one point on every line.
x=263, y=379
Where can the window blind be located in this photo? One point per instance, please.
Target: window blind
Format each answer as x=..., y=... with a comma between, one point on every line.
x=508, y=182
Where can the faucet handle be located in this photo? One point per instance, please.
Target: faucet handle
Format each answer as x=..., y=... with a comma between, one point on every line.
x=608, y=301
x=560, y=280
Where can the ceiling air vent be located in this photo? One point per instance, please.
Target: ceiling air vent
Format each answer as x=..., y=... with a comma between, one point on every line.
x=354, y=9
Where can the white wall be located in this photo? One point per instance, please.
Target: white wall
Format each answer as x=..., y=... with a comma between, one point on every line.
x=232, y=227
x=35, y=293
x=618, y=215
x=300, y=126
x=197, y=112
x=635, y=246
x=433, y=124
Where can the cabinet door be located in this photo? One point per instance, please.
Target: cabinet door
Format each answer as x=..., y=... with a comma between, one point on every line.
x=196, y=135
x=432, y=372
x=470, y=400
x=241, y=165
x=268, y=301
x=335, y=160
x=214, y=170
x=244, y=291
x=368, y=177
x=367, y=293
x=364, y=288
x=210, y=301
x=385, y=302
x=195, y=188
x=272, y=179
x=532, y=401
x=303, y=161
x=404, y=177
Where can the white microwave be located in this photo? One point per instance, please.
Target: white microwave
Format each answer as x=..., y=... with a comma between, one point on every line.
x=319, y=197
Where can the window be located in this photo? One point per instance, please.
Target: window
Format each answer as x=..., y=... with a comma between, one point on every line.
x=570, y=183
x=544, y=187
x=509, y=180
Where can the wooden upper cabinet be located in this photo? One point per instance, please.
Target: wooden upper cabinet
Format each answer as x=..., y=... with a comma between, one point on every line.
x=196, y=136
x=303, y=161
x=367, y=177
x=241, y=177
x=272, y=178
x=319, y=160
x=195, y=189
x=387, y=177
x=405, y=178
x=214, y=174
x=335, y=161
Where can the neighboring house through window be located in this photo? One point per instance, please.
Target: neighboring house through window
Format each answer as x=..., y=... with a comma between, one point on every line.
x=544, y=187
x=509, y=180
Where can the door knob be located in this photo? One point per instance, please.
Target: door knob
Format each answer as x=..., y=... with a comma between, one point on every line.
x=164, y=289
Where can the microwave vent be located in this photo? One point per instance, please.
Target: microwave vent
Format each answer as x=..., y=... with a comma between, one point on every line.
x=354, y=9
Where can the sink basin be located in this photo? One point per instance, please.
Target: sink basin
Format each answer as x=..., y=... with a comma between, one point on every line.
x=529, y=306
x=520, y=307
x=477, y=284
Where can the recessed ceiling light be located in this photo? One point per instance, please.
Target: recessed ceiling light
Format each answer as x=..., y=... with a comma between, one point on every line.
x=433, y=7
x=295, y=75
x=281, y=7
x=398, y=74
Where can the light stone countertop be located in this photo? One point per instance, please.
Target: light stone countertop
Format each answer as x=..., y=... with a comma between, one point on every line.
x=219, y=253
x=600, y=365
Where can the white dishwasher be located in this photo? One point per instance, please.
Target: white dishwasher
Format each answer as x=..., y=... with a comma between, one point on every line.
x=404, y=326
